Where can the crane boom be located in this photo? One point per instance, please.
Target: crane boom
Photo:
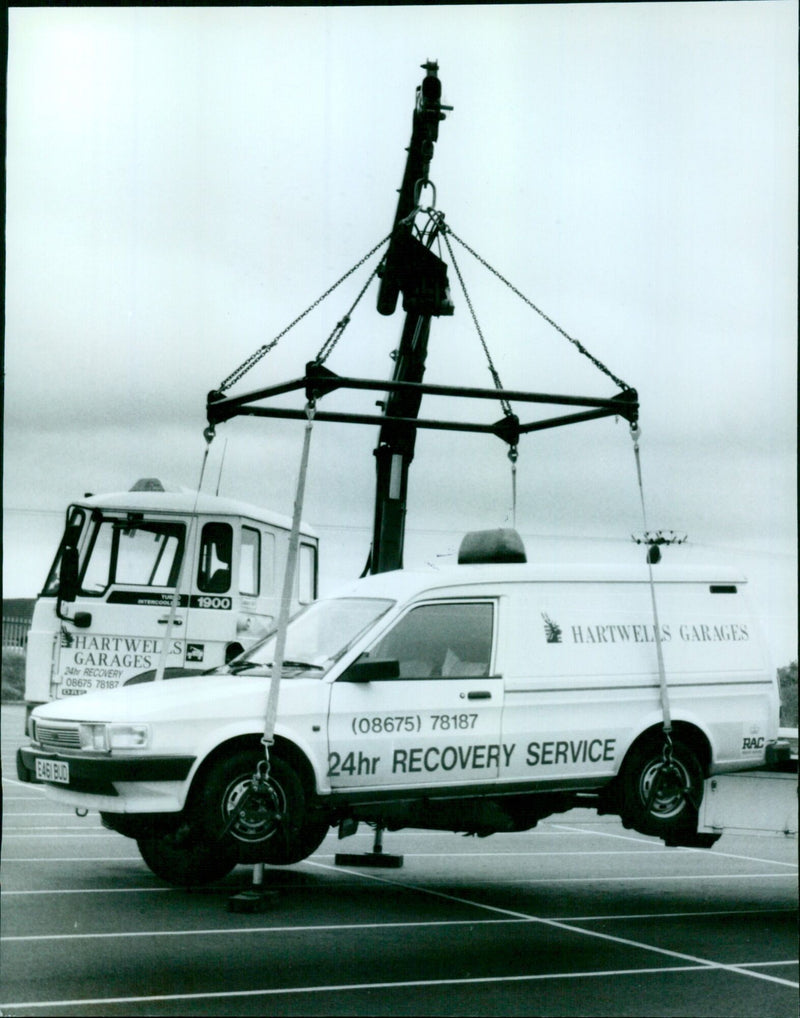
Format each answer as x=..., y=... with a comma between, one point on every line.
x=412, y=268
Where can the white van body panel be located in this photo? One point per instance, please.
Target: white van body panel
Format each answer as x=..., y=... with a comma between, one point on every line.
x=566, y=683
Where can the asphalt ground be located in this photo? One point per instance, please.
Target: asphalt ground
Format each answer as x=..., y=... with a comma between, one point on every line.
x=576, y=918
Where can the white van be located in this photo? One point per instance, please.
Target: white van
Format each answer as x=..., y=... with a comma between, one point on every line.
x=480, y=698
x=104, y=626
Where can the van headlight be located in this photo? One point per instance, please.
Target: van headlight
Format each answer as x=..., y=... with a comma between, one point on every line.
x=102, y=738
x=94, y=738
x=128, y=736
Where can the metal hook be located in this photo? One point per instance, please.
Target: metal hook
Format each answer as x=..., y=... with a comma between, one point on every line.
x=420, y=184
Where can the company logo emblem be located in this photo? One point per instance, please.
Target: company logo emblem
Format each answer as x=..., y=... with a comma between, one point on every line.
x=552, y=630
x=195, y=651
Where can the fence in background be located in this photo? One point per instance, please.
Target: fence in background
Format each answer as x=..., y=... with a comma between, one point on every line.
x=15, y=631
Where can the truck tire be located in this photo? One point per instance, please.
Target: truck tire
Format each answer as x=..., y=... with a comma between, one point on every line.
x=256, y=836
x=674, y=808
x=181, y=859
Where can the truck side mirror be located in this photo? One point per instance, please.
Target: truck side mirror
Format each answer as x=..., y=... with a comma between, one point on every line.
x=369, y=670
x=67, y=577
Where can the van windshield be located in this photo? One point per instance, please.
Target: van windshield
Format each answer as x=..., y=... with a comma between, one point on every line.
x=316, y=637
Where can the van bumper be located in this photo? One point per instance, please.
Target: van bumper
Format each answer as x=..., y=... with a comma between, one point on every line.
x=98, y=775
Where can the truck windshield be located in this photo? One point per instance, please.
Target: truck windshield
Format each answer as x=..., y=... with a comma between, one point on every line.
x=123, y=550
x=316, y=637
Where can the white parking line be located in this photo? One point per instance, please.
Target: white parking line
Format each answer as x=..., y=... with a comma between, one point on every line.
x=406, y=984
x=556, y=924
x=82, y=858
x=61, y=836
x=344, y=927
x=93, y=890
x=703, y=851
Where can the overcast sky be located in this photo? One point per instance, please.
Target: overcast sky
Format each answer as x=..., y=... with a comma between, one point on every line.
x=183, y=182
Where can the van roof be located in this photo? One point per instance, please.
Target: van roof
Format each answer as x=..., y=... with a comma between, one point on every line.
x=406, y=583
x=184, y=502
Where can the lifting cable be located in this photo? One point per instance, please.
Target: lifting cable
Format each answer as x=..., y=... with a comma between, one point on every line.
x=288, y=589
x=254, y=358
x=166, y=641
x=575, y=342
x=513, y=451
x=667, y=765
x=260, y=787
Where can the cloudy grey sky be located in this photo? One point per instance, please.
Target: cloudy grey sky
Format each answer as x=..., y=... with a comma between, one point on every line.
x=183, y=182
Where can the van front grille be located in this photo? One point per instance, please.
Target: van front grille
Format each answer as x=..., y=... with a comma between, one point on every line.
x=57, y=737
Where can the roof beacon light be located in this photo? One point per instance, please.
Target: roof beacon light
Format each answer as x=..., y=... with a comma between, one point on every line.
x=482, y=546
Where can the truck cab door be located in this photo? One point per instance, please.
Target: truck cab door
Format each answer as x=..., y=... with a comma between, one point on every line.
x=114, y=629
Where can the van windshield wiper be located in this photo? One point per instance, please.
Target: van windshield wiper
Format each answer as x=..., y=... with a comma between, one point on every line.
x=242, y=666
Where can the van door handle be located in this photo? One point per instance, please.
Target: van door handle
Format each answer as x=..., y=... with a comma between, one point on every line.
x=479, y=694
x=165, y=620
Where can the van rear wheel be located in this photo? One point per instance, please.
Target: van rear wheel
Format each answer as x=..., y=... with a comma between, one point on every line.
x=661, y=797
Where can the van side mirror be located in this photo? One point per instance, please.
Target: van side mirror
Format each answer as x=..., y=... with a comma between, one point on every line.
x=369, y=670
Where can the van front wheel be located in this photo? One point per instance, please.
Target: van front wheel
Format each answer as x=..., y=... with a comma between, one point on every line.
x=181, y=859
x=277, y=829
x=661, y=796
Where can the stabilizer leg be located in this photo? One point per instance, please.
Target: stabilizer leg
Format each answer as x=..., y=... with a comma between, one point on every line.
x=376, y=858
x=256, y=899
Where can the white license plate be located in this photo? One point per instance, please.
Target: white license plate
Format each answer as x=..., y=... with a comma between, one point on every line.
x=52, y=770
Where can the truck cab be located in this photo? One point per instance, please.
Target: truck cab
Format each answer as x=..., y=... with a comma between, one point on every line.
x=140, y=567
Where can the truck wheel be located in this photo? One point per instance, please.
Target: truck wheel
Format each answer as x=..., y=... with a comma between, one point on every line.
x=674, y=806
x=256, y=834
x=181, y=859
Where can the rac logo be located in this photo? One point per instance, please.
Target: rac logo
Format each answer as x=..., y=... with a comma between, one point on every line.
x=753, y=743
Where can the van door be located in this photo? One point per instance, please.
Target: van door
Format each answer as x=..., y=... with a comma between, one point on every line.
x=129, y=566
x=434, y=719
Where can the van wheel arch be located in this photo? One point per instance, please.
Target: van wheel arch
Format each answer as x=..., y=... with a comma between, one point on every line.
x=675, y=809
x=282, y=747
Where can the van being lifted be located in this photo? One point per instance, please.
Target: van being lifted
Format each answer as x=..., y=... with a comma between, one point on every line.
x=109, y=601
x=479, y=698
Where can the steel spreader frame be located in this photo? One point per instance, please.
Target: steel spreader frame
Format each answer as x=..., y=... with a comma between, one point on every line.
x=318, y=381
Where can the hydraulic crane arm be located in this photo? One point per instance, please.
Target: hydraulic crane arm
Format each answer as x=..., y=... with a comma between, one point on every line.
x=412, y=268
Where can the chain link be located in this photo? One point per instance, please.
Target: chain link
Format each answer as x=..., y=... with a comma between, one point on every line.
x=254, y=358
x=492, y=369
x=575, y=342
x=327, y=347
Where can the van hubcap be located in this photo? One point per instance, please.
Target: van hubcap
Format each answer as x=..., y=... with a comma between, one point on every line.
x=672, y=783
x=257, y=819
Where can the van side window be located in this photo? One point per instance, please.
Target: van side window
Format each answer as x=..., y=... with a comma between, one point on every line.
x=307, y=574
x=268, y=563
x=440, y=641
x=216, y=553
x=250, y=562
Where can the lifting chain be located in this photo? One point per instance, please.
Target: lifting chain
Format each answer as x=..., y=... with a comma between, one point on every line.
x=445, y=230
x=575, y=342
x=327, y=347
x=254, y=358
